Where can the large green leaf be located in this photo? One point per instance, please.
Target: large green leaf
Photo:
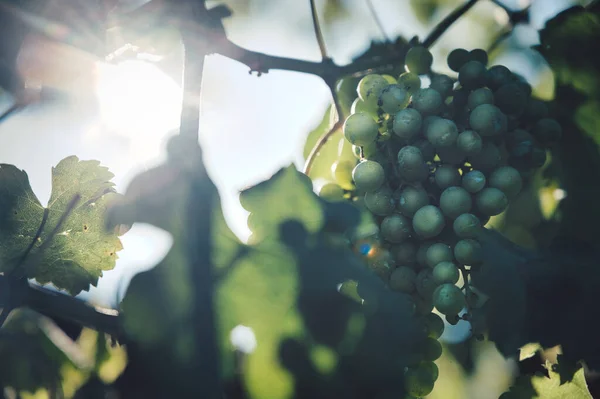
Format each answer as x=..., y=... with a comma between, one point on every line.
x=550, y=387
x=77, y=255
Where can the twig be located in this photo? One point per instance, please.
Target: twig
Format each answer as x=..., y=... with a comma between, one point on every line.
x=377, y=20
x=318, y=32
x=443, y=26
x=320, y=143
x=466, y=286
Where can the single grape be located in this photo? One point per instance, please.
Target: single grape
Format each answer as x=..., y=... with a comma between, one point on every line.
x=425, y=283
x=380, y=201
x=466, y=225
x=535, y=110
x=457, y=58
x=342, y=174
x=431, y=368
x=472, y=75
x=422, y=252
x=516, y=137
x=442, y=84
x=359, y=106
x=370, y=87
x=405, y=253
x=483, y=95
x=368, y=176
x=497, y=76
x=467, y=252
x=418, y=60
x=410, y=163
x=410, y=82
x=446, y=176
x=432, y=349
x=473, y=181
x=488, y=120
x=469, y=142
x=428, y=221
x=418, y=382
x=427, y=101
x=547, y=131
x=395, y=228
x=331, y=192
x=434, y=325
x=448, y=299
x=508, y=180
x=446, y=272
x=393, y=99
x=488, y=158
x=479, y=55
x=451, y=155
x=511, y=99
x=455, y=201
x=403, y=279
x=407, y=124
x=410, y=199
x=441, y=132
x=360, y=129
x=427, y=149
x=438, y=252
x=491, y=201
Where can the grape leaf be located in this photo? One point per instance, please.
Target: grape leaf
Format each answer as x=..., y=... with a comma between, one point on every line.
x=550, y=387
x=76, y=256
x=571, y=63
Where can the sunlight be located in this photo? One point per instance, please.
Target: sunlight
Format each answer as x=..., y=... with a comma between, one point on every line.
x=138, y=100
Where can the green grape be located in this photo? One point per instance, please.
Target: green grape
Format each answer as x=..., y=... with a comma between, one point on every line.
x=483, y=95
x=380, y=201
x=455, y=201
x=441, y=132
x=451, y=155
x=438, y=252
x=466, y=225
x=448, y=299
x=467, y=252
x=447, y=176
x=431, y=368
x=547, y=131
x=382, y=264
x=446, y=272
x=497, y=76
x=342, y=174
x=410, y=82
x=427, y=101
x=491, y=201
x=473, y=181
x=411, y=164
x=407, y=124
x=508, y=180
x=469, y=142
x=405, y=253
x=511, y=99
x=403, y=279
x=395, y=228
x=442, y=84
x=418, y=382
x=368, y=176
x=359, y=106
x=360, y=129
x=432, y=349
x=488, y=120
x=434, y=325
x=422, y=253
x=479, y=55
x=425, y=283
x=393, y=99
x=410, y=199
x=427, y=149
x=457, y=58
x=428, y=221
x=535, y=110
x=368, y=151
x=472, y=75
x=418, y=60
x=370, y=87
x=488, y=158
x=332, y=192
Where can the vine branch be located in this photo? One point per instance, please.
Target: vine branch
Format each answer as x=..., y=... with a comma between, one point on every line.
x=318, y=32
x=443, y=26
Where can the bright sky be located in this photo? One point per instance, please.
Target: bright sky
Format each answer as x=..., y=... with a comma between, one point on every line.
x=250, y=126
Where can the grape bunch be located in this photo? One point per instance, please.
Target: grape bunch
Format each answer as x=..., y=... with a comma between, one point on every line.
x=435, y=161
